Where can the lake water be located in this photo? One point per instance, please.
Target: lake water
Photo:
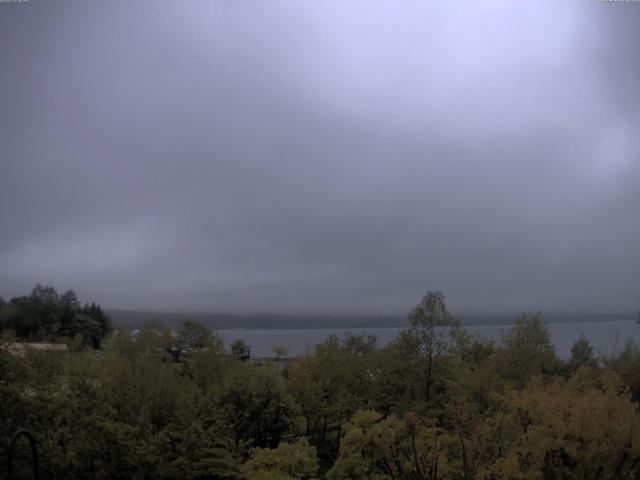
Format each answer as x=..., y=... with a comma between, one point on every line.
x=606, y=337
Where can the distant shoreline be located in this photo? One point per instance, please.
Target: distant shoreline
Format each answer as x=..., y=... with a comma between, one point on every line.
x=357, y=329
x=137, y=319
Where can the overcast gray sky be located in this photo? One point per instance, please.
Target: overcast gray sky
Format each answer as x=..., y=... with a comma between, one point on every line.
x=322, y=157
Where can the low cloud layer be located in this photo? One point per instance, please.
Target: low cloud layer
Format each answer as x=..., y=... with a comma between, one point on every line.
x=328, y=157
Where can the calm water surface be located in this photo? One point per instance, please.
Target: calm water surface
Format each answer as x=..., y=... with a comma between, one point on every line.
x=606, y=337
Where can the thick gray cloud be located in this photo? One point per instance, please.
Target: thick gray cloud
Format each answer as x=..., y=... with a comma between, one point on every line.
x=322, y=157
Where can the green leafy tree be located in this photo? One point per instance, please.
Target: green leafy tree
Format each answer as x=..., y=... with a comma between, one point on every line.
x=471, y=347
x=194, y=453
x=289, y=461
x=360, y=344
x=88, y=329
x=69, y=307
x=627, y=366
x=330, y=385
x=527, y=350
x=209, y=368
x=573, y=431
x=377, y=448
x=255, y=404
x=194, y=336
x=472, y=374
x=582, y=355
x=145, y=342
x=95, y=311
x=430, y=334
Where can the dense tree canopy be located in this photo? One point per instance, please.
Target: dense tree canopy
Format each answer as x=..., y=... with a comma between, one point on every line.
x=347, y=410
x=46, y=315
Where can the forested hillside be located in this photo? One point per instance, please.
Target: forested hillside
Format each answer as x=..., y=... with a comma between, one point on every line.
x=437, y=403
